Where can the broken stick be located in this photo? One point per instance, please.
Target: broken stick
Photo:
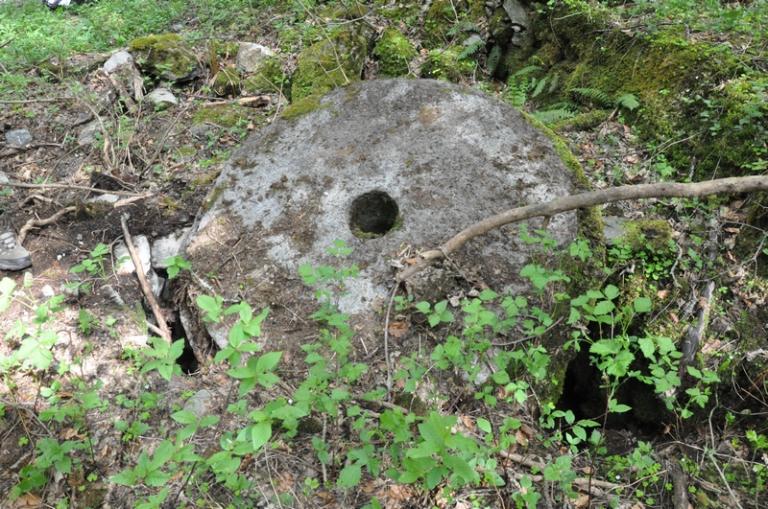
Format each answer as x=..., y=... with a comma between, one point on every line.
x=162, y=325
x=731, y=185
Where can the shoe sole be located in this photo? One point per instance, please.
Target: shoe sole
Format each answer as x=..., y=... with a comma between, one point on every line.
x=18, y=264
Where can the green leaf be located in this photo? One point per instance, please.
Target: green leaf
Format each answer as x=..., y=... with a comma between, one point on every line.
x=349, y=476
x=126, y=478
x=628, y=101
x=642, y=305
x=7, y=286
x=603, y=308
x=484, y=425
x=647, y=346
x=268, y=361
x=184, y=417
x=460, y=468
x=611, y=292
x=260, y=433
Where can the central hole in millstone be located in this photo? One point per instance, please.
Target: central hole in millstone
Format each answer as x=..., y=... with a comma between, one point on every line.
x=373, y=214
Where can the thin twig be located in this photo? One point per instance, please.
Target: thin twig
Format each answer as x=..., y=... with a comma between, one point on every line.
x=161, y=323
x=584, y=200
x=35, y=223
x=580, y=481
x=25, y=185
x=40, y=100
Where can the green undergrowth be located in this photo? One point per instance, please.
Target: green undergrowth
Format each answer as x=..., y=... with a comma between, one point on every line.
x=359, y=423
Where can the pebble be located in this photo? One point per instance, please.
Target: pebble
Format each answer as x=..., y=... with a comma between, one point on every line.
x=18, y=138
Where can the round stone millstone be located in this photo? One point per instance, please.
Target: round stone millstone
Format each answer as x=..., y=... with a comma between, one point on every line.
x=380, y=165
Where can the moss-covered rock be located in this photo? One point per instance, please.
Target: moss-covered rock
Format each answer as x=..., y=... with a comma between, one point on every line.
x=224, y=115
x=647, y=234
x=447, y=64
x=445, y=20
x=394, y=51
x=332, y=62
x=227, y=82
x=687, y=90
x=268, y=78
x=165, y=56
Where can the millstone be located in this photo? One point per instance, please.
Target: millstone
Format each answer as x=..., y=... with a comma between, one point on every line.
x=388, y=167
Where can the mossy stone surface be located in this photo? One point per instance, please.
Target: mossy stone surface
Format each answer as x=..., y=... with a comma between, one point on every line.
x=332, y=62
x=227, y=82
x=268, y=78
x=224, y=115
x=688, y=90
x=164, y=56
x=447, y=64
x=653, y=234
x=394, y=52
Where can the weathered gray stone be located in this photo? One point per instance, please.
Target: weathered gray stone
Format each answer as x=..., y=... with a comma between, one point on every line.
x=446, y=155
x=251, y=56
x=124, y=264
x=201, y=403
x=161, y=98
x=118, y=60
x=18, y=138
x=166, y=247
x=87, y=136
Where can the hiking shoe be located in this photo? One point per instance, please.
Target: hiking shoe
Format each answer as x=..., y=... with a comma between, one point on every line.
x=12, y=255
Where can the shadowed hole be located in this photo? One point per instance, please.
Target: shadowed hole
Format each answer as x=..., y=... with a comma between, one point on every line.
x=373, y=214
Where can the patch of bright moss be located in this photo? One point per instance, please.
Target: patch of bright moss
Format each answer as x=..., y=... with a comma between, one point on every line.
x=332, y=62
x=224, y=115
x=164, y=56
x=644, y=234
x=686, y=89
x=447, y=64
x=394, y=51
x=303, y=106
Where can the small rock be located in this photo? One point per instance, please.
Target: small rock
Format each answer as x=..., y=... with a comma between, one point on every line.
x=166, y=247
x=156, y=283
x=47, y=291
x=87, y=136
x=18, y=138
x=104, y=198
x=473, y=40
x=124, y=264
x=118, y=60
x=4, y=178
x=136, y=341
x=614, y=228
x=162, y=98
x=251, y=55
x=201, y=403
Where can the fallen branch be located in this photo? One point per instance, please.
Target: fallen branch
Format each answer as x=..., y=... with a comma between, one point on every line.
x=634, y=192
x=25, y=185
x=36, y=223
x=162, y=325
x=254, y=101
x=582, y=482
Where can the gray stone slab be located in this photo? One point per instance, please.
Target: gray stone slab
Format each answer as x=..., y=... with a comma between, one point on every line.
x=447, y=156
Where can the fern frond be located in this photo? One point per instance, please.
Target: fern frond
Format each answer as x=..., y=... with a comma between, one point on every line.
x=552, y=116
x=593, y=94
